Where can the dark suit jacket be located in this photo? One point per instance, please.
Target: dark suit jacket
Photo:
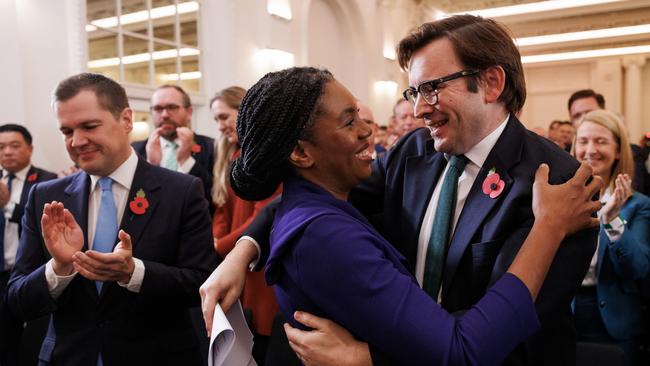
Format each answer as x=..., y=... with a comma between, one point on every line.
x=620, y=264
x=10, y=326
x=489, y=231
x=202, y=169
x=173, y=238
x=641, y=180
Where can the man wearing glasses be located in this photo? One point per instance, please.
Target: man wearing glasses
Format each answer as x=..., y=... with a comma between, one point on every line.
x=172, y=144
x=455, y=198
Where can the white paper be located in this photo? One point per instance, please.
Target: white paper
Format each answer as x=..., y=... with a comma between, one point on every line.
x=231, y=342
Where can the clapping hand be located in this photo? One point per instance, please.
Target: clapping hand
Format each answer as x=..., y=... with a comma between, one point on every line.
x=154, y=152
x=116, y=266
x=5, y=195
x=186, y=140
x=622, y=192
x=62, y=235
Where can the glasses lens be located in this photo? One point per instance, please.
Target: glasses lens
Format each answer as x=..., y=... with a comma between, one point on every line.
x=410, y=95
x=428, y=91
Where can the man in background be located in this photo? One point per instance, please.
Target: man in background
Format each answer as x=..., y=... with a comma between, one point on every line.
x=405, y=120
x=173, y=145
x=18, y=177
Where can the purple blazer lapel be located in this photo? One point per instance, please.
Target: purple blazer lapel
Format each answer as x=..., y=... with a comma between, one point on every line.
x=505, y=154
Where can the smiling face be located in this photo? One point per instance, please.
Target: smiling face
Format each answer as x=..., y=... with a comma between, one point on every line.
x=404, y=118
x=338, y=153
x=15, y=152
x=226, y=118
x=96, y=141
x=597, y=145
x=460, y=119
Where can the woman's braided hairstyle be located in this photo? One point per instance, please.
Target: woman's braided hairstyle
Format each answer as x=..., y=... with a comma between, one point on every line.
x=276, y=112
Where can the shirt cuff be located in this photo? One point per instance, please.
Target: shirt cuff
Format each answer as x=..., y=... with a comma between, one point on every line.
x=187, y=165
x=135, y=284
x=253, y=264
x=55, y=283
x=615, y=229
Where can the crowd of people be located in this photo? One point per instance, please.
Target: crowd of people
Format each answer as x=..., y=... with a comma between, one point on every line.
x=452, y=235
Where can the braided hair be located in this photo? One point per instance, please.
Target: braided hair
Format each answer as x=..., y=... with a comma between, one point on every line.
x=276, y=112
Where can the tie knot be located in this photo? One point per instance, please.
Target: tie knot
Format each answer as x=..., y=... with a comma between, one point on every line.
x=458, y=162
x=105, y=183
x=11, y=176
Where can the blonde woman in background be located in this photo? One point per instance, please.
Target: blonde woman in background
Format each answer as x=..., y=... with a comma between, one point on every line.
x=608, y=305
x=234, y=214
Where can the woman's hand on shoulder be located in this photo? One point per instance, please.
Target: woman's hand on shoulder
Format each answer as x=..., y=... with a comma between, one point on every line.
x=567, y=207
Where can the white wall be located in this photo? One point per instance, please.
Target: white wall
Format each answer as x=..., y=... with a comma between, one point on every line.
x=42, y=44
x=549, y=87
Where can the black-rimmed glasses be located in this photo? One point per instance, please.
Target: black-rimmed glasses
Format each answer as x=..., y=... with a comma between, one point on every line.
x=429, y=89
x=171, y=108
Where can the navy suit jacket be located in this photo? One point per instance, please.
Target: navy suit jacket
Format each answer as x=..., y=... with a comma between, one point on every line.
x=489, y=231
x=11, y=327
x=202, y=169
x=174, y=240
x=620, y=264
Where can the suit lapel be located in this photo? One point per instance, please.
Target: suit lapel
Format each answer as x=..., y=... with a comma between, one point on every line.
x=77, y=203
x=423, y=171
x=134, y=223
x=504, y=155
x=28, y=185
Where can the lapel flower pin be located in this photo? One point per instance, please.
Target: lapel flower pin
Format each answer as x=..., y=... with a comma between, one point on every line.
x=139, y=204
x=32, y=177
x=196, y=148
x=493, y=184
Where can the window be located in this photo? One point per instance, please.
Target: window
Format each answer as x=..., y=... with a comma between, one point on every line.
x=145, y=42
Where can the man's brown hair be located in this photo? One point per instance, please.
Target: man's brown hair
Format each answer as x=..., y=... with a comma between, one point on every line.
x=479, y=44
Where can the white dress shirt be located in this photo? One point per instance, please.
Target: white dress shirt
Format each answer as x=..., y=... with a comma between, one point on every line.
x=614, y=234
x=11, y=238
x=476, y=156
x=122, y=180
x=182, y=168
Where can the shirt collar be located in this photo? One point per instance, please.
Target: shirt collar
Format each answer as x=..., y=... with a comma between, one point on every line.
x=21, y=174
x=164, y=142
x=123, y=174
x=479, y=152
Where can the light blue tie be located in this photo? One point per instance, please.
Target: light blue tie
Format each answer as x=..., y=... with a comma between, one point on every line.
x=106, y=229
x=170, y=161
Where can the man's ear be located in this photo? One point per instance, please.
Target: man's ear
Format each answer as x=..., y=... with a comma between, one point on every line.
x=494, y=81
x=127, y=117
x=300, y=157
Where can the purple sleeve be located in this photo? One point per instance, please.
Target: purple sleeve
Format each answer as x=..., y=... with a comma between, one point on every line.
x=355, y=281
x=503, y=318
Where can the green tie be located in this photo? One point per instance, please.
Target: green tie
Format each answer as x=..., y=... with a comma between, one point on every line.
x=170, y=161
x=441, y=230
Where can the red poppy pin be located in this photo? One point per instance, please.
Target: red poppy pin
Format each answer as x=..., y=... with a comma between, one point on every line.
x=493, y=184
x=196, y=148
x=139, y=204
x=32, y=177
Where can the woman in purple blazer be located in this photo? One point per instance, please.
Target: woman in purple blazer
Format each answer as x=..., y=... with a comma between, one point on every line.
x=300, y=126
